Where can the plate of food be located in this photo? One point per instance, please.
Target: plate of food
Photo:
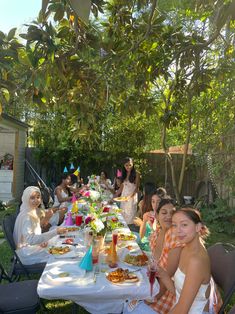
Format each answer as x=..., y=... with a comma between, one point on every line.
x=121, y=199
x=62, y=251
x=122, y=276
x=127, y=237
x=72, y=229
x=136, y=260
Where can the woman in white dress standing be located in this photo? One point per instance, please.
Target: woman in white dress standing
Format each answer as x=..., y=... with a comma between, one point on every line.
x=30, y=242
x=129, y=189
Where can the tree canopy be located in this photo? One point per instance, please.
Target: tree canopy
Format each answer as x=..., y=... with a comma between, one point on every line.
x=142, y=74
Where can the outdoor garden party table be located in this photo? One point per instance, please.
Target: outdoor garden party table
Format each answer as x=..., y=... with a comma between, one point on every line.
x=92, y=290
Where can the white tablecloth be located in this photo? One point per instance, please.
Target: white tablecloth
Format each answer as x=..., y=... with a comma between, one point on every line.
x=95, y=293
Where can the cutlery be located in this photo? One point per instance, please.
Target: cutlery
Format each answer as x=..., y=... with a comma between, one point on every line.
x=74, y=244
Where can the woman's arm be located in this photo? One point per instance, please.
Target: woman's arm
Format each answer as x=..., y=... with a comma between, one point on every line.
x=143, y=225
x=172, y=265
x=31, y=238
x=194, y=277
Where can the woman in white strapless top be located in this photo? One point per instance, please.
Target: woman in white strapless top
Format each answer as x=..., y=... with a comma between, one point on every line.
x=192, y=279
x=200, y=300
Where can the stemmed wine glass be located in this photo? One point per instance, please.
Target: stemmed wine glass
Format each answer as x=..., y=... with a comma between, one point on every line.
x=152, y=272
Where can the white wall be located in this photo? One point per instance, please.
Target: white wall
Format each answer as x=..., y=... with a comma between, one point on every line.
x=7, y=143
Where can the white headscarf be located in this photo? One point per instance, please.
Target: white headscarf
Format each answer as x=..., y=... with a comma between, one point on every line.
x=24, y=210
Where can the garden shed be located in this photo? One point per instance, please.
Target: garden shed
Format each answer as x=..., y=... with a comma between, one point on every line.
x=13, y=139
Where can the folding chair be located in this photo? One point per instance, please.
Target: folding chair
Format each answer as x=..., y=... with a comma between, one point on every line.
x=222, y=257
x=17, y=268
x=18, y=297
x=232, y=310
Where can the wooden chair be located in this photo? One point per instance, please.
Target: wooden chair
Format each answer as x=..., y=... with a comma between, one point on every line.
x=17, y=268
x=18, y=297
x=222, y=257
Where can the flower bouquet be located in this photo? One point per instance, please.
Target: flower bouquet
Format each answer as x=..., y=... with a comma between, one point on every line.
x=98, y=220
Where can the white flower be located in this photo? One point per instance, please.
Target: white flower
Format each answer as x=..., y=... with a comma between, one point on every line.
x=98, y=225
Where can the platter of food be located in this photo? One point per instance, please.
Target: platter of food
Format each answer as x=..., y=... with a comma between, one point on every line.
x=121, y=199
x=72, y=229
x=122, y=276
x=59, y=250
x=62, y=251
x=136, y=260
x=126, y=237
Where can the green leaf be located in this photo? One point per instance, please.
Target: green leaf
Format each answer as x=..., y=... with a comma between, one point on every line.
x=5, y=93
x=11, y=33
x=23, y=57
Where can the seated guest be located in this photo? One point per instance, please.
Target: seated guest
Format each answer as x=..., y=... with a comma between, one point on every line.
x=63, y=196
x=148, y=211
x=192, y=286
x=166, y=250
x=145, y=205
x=62, y=192
x=105, y=185
x=28, y=236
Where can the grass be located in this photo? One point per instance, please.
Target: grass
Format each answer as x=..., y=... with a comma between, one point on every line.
x=63, y=306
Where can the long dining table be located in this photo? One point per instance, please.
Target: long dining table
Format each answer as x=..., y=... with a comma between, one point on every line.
x=91, y=289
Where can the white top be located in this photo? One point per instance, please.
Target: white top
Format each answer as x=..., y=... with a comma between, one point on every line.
x=200, y=300
x=130, y=207
x=27, y=231
x=57, y=203
x=28, y=248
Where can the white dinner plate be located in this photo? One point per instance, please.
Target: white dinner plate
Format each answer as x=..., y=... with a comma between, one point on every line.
x=125, y=283
x=72, y=253
x=71, y=274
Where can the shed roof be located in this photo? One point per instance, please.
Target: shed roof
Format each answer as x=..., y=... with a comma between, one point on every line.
x=13, y=121
x=173, y=150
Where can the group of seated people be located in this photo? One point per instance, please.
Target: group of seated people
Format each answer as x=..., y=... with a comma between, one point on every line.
x=174, y=237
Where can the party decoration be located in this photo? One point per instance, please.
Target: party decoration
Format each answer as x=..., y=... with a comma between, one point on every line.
x=65, y=169
x=119, y=173
x=77, y=171
x=74, y=199
x=69, y=220
x=71, y=166
x=86, y=262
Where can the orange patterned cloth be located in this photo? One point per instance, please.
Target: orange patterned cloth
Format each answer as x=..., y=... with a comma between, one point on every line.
x=165, y=303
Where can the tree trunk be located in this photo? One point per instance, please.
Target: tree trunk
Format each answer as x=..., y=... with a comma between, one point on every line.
x=170, y=160
x=189, y=124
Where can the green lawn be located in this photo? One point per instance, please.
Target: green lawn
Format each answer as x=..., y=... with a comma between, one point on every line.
x=62, y=306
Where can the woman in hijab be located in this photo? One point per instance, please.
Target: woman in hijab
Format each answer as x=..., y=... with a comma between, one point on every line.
x=28, y=236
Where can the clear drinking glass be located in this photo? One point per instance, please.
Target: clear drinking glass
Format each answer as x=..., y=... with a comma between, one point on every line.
x=152, y=272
